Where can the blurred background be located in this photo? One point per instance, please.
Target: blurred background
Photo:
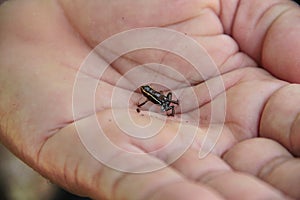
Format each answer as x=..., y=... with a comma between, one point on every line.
x=17, y=181
x=20, y=182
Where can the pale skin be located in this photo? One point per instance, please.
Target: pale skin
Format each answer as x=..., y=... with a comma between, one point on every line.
x=42, y=44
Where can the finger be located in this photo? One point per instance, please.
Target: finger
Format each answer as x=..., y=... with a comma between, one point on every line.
x=269, y=161
x=283, y=65
x=67, y=160
x=263, y=30
x=214, y=172
x=281, y=120
x=247, y=91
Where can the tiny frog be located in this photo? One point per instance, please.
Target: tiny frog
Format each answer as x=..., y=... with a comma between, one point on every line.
x=158, y=98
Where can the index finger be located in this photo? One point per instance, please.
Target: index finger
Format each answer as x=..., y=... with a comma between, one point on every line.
x=268, y=31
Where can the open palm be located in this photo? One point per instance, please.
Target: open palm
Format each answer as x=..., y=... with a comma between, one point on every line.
x=40, y=61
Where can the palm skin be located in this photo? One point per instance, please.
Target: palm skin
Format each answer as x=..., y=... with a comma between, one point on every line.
x=39, y=62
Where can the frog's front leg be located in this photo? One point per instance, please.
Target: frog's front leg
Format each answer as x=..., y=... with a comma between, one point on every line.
x=169, y=97
x=167, y=107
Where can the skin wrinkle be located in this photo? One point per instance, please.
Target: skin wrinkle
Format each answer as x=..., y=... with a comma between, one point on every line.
x=272, y=165
x=236, y=130
x=67, y=17
x=274, y=169
x=123, y=177
x=265, y=106
x=96, y=180
x=213, y=193
x=71, y=25
x=91, y=190
x=181, y=21
x=211, y=175
x=67, y=183
x=234, y=17
x=112, y=66
x=194, y=168
x=65, y=173
x=117, y=183
x=282, y=65
x=234, y=51
x=214, y=9
x=166, y=75
x=218, y=55
x=230, y=56
x=204, y=31
x=233, y=140
x=149, y=193
x=292, y=133
x=51, y=133
x=264, y=13
x=214, y=177
x=269, y=104
x=38, y=156
x=70, y=176
x=106, y=186
x=236, y=24
x=262, y=52
x=76, y=175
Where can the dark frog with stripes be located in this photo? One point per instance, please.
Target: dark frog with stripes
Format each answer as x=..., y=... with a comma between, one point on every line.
x=158, y=98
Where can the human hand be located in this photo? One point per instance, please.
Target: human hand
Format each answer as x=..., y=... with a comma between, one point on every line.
x=44, y=43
